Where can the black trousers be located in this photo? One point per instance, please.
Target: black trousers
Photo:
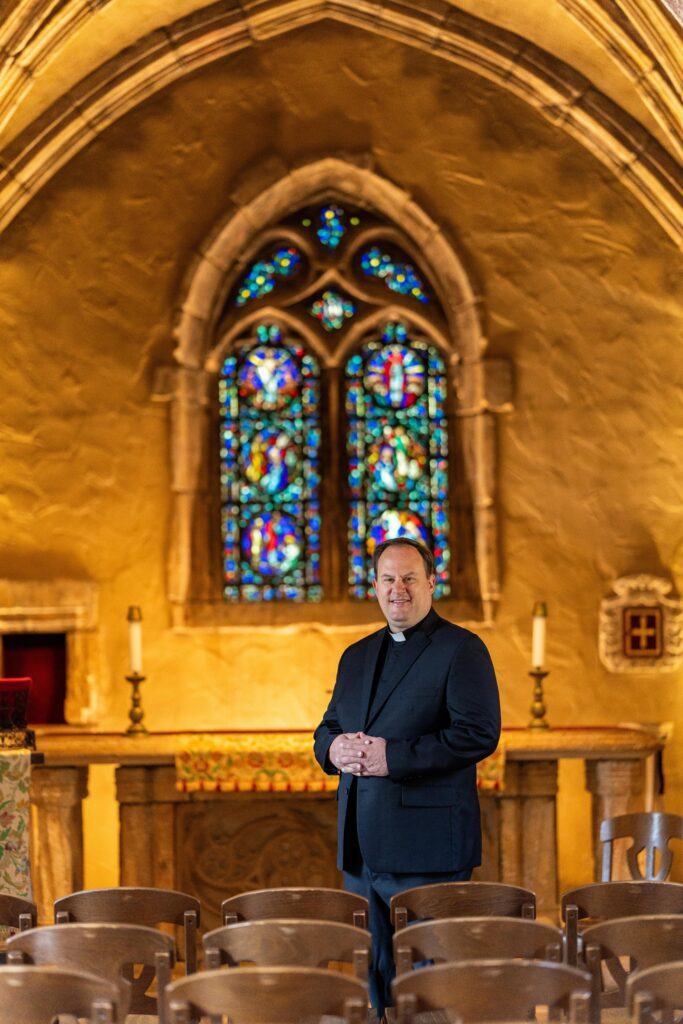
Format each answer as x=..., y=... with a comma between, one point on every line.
x=378, y=887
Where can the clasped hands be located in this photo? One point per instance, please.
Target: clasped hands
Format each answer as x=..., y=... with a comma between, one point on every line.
x=359, y=754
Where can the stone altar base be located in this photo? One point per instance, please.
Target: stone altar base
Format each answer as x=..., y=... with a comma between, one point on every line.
x=217, y=844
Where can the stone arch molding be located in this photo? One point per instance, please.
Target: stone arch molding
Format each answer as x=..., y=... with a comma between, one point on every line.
x=481, y=387
x=554, y=89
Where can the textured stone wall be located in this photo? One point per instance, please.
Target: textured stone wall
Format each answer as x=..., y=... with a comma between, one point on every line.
x=581, y=293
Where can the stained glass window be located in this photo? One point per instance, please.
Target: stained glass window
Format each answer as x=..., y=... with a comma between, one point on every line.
x=331, y=223
x=397, y=450
x=336, y=273
x=270, y=473
x=397, y=276
x=332, y=309
x=263, y=275
x=332, y=228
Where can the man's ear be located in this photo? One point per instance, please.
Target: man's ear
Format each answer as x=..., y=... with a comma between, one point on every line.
x=432, y=583
x=374, y=585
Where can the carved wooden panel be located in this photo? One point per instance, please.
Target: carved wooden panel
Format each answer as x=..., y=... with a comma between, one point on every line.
x=254, y=841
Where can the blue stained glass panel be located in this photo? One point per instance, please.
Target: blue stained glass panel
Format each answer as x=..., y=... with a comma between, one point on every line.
x=399, y=277
x=332, y=228
x=263, y=275
x=332, y=309
x=396, y=376
x=270, y=473
x=397, y=446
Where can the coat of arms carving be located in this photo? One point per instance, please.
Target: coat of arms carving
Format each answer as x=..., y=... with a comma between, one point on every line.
x=641, y=627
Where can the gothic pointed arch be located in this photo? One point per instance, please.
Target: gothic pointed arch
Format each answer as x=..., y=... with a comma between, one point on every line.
x=329, y=322
x=555, y=89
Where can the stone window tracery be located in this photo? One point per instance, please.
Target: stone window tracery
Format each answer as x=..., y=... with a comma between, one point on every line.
x=340, y=275
x=330, y=386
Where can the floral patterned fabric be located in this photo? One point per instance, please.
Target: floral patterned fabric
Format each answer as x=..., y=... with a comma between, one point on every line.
x=266, y=762
x=15, y=779
x=491, y=772
x=276, y=762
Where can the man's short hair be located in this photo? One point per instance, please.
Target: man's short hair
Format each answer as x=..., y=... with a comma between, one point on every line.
x=406, y=542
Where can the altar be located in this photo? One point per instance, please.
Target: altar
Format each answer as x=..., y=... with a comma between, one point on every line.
x=214, y=842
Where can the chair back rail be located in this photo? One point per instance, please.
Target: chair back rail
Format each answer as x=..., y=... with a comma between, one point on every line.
x=314, y=903
x=135, y=905
x=282, y=943
x=110, y=951
x=649, y=831
x=462, y=899
x=475, y=938
x=36, y=995
x=493, y=990
x=655, y=993
x=256, y=995
x=607, y=900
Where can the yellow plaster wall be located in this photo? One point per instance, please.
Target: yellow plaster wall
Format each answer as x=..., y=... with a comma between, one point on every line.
x=580, y=290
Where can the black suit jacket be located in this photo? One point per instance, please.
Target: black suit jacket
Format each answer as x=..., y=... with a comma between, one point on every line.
x=440, y=718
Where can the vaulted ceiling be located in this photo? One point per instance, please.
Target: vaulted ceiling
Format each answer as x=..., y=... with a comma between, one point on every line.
x=609, y=72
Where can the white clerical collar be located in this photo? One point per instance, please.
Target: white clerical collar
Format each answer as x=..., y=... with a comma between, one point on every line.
x=398, y=637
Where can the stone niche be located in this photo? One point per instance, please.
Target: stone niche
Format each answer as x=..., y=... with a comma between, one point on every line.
x=60, y=606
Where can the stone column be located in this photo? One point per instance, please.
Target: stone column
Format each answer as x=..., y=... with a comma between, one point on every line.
x=56, y=834
x=147, y=797
x=616, y=787
x=528, y=831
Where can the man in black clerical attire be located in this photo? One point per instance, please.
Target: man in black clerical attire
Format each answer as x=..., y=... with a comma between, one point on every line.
x=415, y=706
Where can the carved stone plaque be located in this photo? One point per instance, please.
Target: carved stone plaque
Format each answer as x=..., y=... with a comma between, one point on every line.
x=254, y=841
x=641, y=628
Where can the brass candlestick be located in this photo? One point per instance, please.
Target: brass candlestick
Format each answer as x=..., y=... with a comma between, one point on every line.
x=136, y=714
x=538, y=719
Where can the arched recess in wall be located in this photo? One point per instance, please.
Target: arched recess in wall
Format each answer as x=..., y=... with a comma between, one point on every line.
x=478, y=389
x=183, y=45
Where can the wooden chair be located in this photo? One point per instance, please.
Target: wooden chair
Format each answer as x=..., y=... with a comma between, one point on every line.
x=289, y=943
x=650, y=833
x=603, y=901
x=462, y=899
x=645, y=941
x=655, y=991
x=475, y=938
x=112, y=951
x=135, y=905
x=297, y=902
x=255, y=995
x=489, y=990
x=36, y=995
x=17, y=913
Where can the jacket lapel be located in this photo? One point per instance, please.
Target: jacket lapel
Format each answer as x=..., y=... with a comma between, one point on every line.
x=371, y=656
x=418, y=643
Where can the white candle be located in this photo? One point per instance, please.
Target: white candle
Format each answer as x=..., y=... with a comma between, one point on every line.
x=135, y=640
x=540, y=618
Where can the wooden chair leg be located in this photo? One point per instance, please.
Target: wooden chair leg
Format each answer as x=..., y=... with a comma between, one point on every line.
x=571, y=935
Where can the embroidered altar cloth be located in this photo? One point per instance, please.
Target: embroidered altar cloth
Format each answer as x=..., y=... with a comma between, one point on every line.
x=15, y=780
x=277, y=762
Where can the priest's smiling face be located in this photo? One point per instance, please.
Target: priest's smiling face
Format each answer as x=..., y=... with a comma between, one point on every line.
x=403, y=588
